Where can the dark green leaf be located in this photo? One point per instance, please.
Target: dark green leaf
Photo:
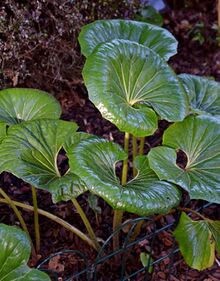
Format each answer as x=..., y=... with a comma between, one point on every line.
x=204, y=94
x=66, y=187
x=14, y=254
x=128, y=83
x=150, y=15
x=76, y=138
x=94, y=161
x=196, y=243
x=31, y=148
x=102, y=31
x=18, y=104
x=93, y=203
x=199, y=138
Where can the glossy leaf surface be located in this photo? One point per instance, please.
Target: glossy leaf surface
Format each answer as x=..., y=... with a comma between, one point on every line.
x=18, y=104
x=76, y=138
x=94, y=161
x=214, y=227
x=204, y=94
x=102, y=31
x=31, y=148
x=14, y=255
x=199, y=138
x=195, y=242
x=67, y=187
x=2, y=131
x=130, y=83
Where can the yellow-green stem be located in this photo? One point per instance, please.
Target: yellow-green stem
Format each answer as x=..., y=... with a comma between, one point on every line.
x=86, y=222
x=134, y=153
x=36, y=219
x=137, y=230
x=54, y=218
x=118, y=215
x=141, y=148
x=125, y=162
x=19, y=216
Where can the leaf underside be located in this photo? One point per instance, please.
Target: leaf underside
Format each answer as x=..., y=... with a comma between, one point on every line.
x=196, y=243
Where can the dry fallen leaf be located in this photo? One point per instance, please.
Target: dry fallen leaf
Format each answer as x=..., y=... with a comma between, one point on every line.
x=55, y=265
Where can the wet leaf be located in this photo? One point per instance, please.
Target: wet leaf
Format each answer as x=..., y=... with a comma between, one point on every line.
x=159, y=39
x=14, y=255
x=130, y=84
x=19, y=104
x=94, y=160
x=199, y=138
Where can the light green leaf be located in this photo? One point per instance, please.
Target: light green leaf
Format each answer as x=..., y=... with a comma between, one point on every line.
x=199, y=138
x=94, y=161
x=204, y=94
x=214, y=227
x=2, y=131
x=130, y=83
x=146, y=260
x=31, y=148
x=14, y=254
x=18, y=104
x=196, y=243
x=102, y=31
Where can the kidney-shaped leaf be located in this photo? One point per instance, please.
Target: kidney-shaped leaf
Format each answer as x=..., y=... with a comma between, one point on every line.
x=18, y=104
x=126, y=80
x=199, y=138
x=196, y=242
x=15, y=251
x=30, y=151
x=102, y=31
x=204, y=94
x=94, y=161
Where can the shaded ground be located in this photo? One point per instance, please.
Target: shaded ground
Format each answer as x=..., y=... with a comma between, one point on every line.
x=39, y=49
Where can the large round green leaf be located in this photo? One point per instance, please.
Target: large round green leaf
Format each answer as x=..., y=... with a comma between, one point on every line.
x=204, y=94
x=30, y=151
x=199, y=138
x=15, y=251
x=94, y=161
x=18, y=104
x=128, y=83
x=195, y=242
x=102, y=31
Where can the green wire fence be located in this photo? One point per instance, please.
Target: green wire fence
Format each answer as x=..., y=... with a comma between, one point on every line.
x=92, y=272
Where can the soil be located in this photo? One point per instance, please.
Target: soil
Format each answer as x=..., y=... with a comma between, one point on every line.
x=39, y=49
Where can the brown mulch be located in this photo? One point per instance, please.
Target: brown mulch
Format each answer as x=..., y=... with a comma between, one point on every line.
x=39, y=49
